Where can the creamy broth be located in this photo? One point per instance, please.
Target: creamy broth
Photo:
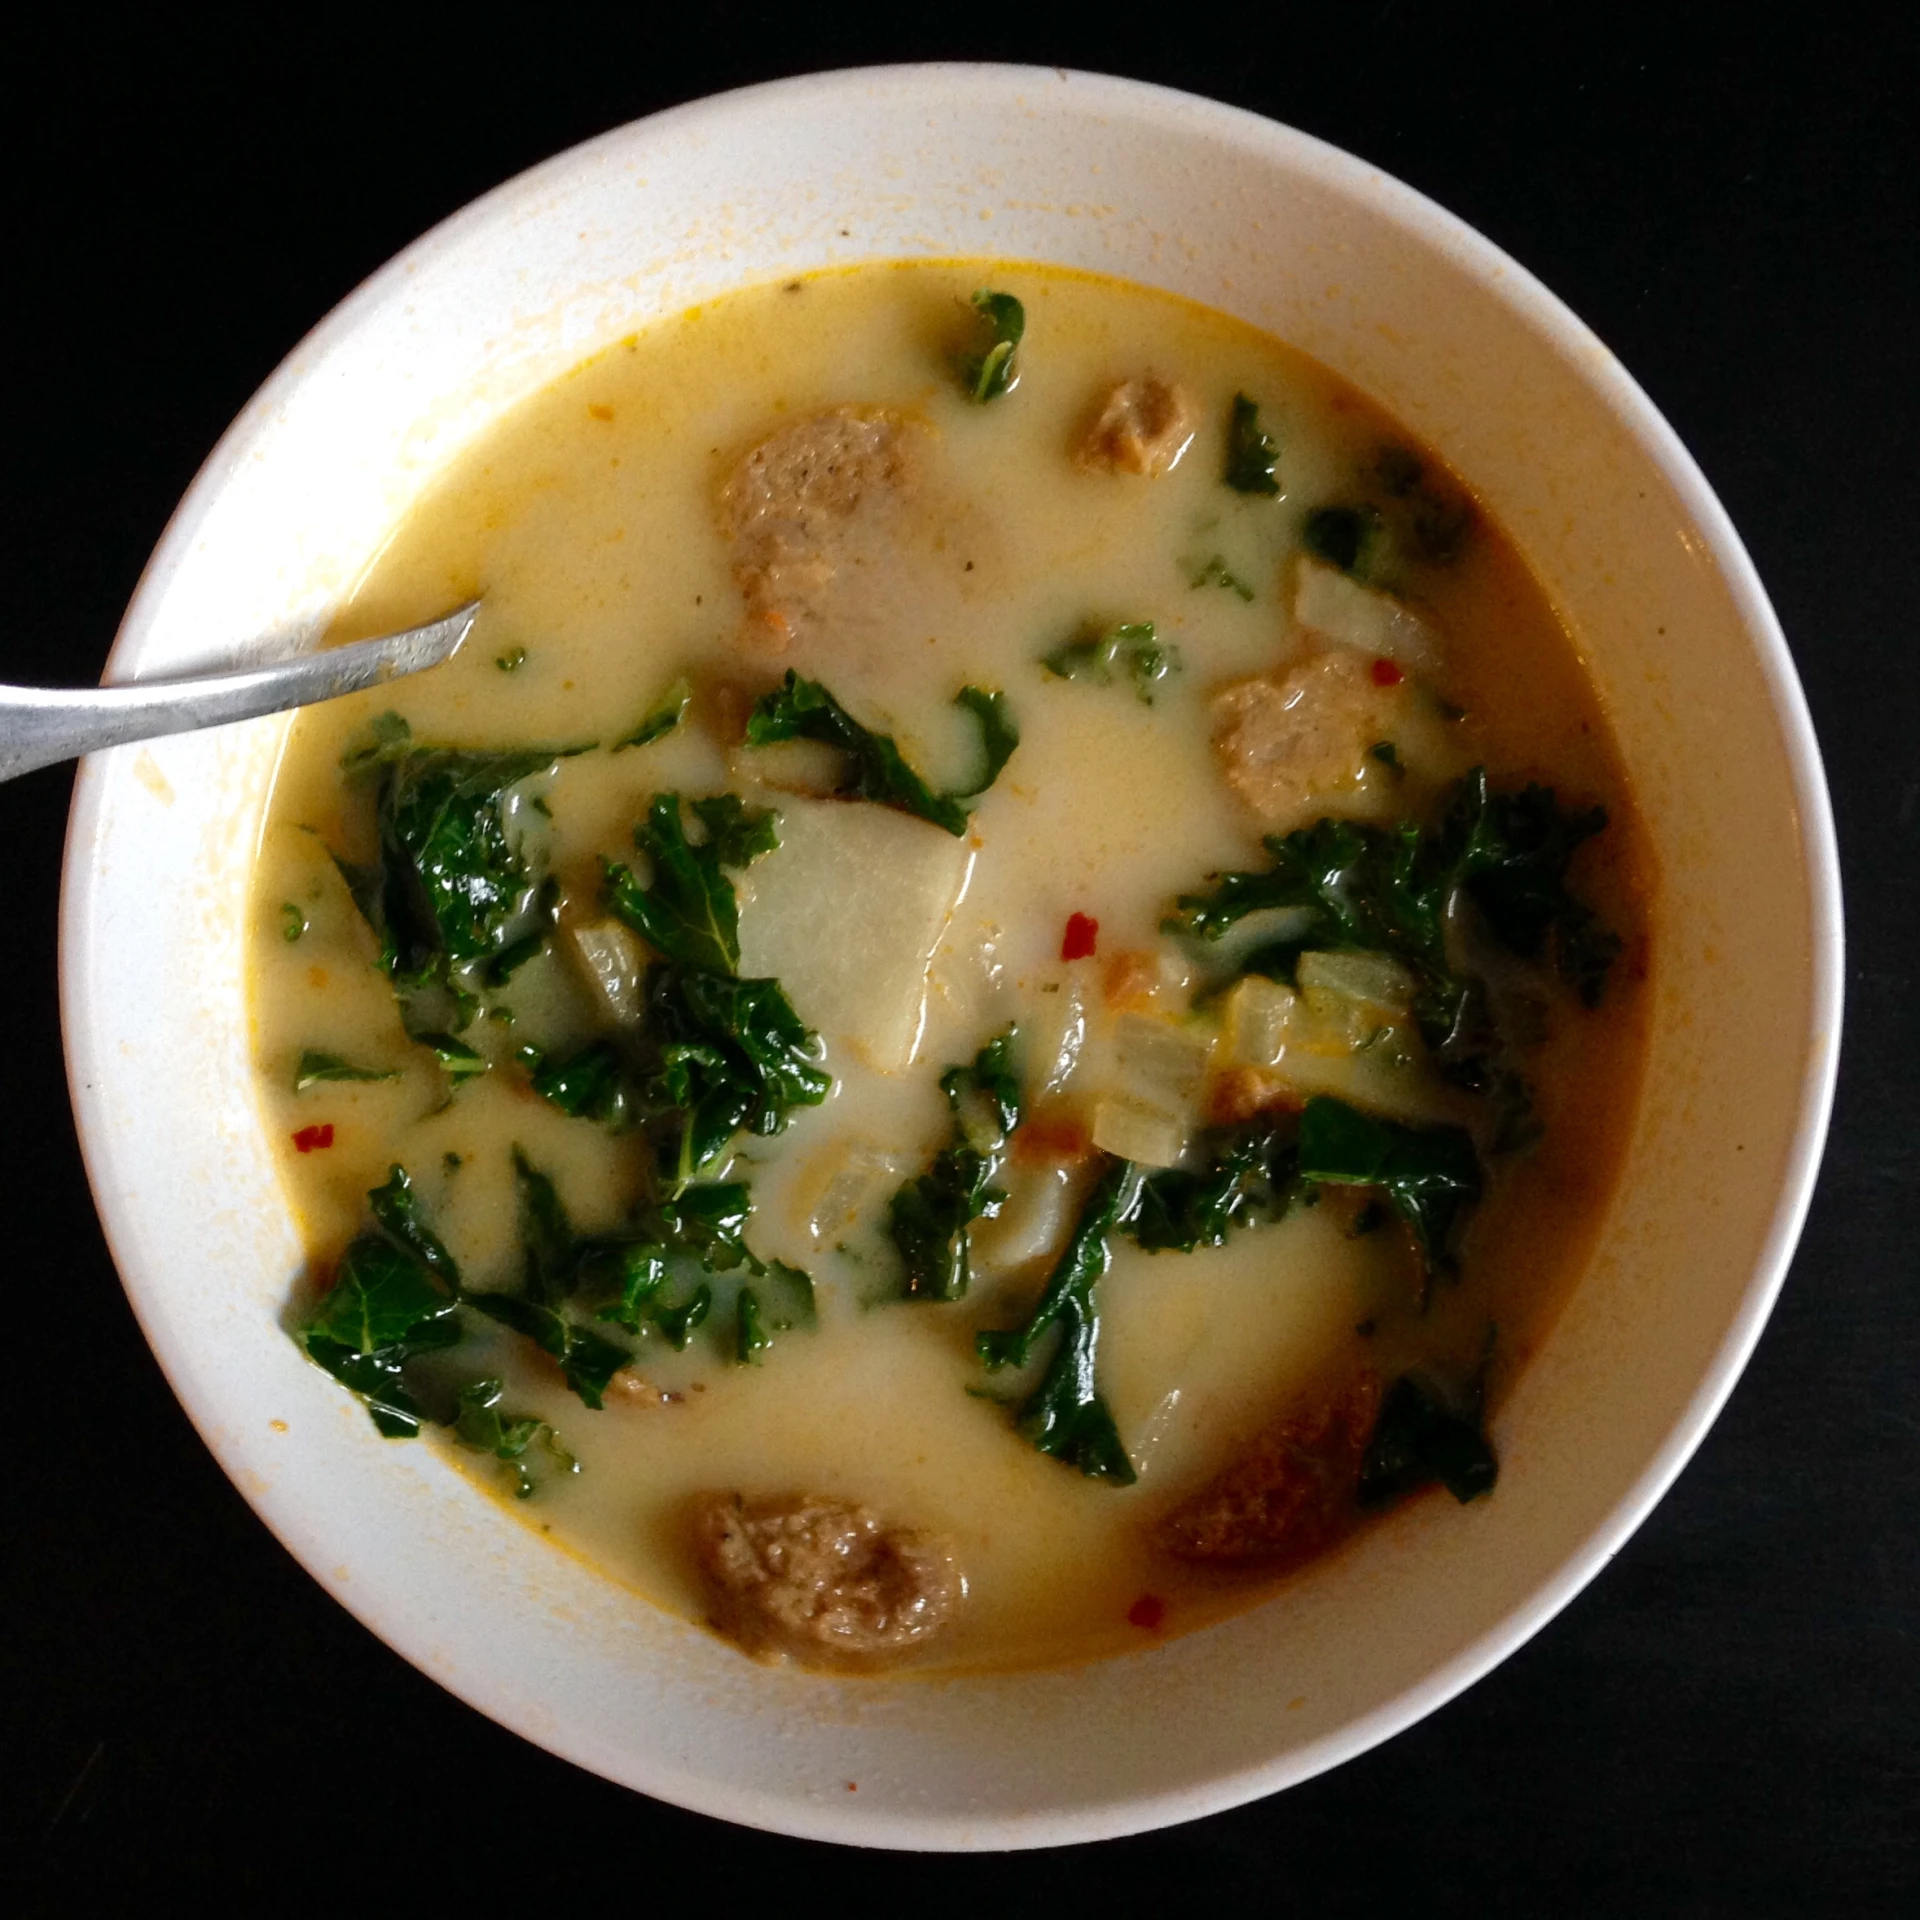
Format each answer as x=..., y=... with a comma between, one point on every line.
x=588, y=521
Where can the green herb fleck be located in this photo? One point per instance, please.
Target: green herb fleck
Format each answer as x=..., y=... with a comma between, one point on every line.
x=1214, y=572
x=512, y=660
x=293, y=923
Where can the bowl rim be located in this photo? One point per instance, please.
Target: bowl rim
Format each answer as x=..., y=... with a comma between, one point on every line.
x=1144, y=104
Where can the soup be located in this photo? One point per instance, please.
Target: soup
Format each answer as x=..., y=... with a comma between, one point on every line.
x=995, y=1001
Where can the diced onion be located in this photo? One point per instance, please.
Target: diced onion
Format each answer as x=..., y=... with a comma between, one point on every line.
x=1055, y=1035
x=1259, y=1017
x=1133, y=1131
x=1158, y=1061
x=1338, y=608
x=1375, y=981
x=844, y=1185
x=608, y=957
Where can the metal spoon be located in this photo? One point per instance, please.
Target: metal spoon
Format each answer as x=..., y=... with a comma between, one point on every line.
x=39, y=725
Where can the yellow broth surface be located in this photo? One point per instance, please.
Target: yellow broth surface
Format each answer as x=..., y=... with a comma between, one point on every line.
x=588, y=521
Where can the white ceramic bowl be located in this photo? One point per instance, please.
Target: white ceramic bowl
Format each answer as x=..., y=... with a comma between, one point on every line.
x=1454, y=339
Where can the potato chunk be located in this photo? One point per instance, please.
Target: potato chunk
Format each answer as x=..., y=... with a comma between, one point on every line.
x=846, y=912
x=1142, y=426
x=822, y=1582
x=1290, y=1496
x=1298, y=743
x=808, y=503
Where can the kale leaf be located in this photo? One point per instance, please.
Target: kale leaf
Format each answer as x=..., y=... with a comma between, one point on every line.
x=999, y=735
x=1066, y=1416
x=1252, y=456
x=789, y=1303
x=592, y=1084
x=587, y=1360
x=1419, y=1439
x=1388, y=889
x=457, y=878
x=877, y=770
x=458, y=1061
x=733, y=1055
x=929, y=1216
x=689, y=912
x=550, y=1257
x=987, y=371
x=737, y=834
x=383, y=1310
x=715, y=1053
x=1131, y=650
x=1350, y=538
x=703, y=1227
x=479, y=1424
x=661, y=718
x=313, y=1068
x=1429, y=1175
x=1511, y=852
x=397, y=1208
x=455, y=894
x=1250, y=1175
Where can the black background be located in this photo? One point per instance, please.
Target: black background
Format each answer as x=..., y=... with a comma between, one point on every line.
x=1724, y=1723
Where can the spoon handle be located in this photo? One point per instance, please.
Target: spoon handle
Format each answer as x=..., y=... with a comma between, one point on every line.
x=39, y=725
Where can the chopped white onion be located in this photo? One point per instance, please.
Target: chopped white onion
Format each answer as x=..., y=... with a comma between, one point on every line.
x=1338, y=608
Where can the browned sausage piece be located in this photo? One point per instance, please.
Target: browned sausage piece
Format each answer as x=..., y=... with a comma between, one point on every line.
x=1290, y=743
x=1143, y=426
x=822, y=1582
x=815, y=497
x=1289, y=1497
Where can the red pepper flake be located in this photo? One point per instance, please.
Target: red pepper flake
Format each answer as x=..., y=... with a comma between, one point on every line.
x=1147, y=1612
x=308, y=1138
x=1081, y=934
x=1386, y=674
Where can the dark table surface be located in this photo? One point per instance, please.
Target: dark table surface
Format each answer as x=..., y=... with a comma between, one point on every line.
x=1723, y=1723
